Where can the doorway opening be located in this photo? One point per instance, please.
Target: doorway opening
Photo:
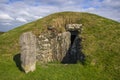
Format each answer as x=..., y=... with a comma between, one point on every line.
x=74, y=54
x=74, y=34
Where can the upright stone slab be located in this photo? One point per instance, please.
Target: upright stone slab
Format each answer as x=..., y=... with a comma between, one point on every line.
x=60, y=46
x=66, y=42
x=28, y=51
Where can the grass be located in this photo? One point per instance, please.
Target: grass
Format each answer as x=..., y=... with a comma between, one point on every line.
x=53, y=71
x=100, y=44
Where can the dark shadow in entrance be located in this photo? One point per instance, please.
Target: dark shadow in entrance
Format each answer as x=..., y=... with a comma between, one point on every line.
x=17, y=61
x=74, y=54
x=73, y=38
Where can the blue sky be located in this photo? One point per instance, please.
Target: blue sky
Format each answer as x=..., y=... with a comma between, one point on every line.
x=14, y=13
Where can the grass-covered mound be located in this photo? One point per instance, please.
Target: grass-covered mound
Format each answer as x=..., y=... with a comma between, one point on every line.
x=100, y=44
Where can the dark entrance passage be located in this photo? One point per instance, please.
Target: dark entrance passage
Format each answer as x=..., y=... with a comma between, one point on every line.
x=74, y=34
x=74, y=53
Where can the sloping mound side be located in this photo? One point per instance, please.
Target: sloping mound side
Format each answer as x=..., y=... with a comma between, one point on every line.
x=1, y=33
x=100, y=39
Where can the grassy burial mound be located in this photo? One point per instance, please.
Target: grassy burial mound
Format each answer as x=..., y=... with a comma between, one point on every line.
x=100, y=45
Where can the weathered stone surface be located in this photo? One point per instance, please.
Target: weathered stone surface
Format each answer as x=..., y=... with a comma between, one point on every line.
x=53, y=47
x=61, y=46
x=28, y=51
x=44, y=51
x=73, y=27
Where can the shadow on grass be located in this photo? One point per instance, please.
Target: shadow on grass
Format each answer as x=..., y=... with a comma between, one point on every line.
x=17, y=61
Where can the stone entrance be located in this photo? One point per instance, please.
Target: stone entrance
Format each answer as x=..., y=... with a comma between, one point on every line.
x=74, y=53
x=51, y=46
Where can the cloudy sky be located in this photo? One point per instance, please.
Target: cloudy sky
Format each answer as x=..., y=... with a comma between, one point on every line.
x=14, y=13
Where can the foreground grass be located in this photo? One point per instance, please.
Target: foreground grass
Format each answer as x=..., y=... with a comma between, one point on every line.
x=53, y=71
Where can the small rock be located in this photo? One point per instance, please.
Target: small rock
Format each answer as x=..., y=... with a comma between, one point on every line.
x=50, y=28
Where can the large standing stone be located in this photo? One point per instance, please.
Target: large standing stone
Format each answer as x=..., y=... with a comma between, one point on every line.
x=28, y=51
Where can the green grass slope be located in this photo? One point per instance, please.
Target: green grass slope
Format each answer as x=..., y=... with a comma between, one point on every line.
x=100, y=44
x=1, y=33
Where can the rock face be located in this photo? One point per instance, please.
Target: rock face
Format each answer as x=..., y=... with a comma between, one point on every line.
x=44, y=51
x=47, y=47
x=28, y=51
x=60, y=46
x=53, y=47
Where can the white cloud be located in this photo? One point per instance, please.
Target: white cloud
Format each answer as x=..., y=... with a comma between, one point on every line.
x=6, y=24
x=112, y=3
x=37, y=17
x=90, y=9
x=20, y=19
x=24, y=13
x=5, y=17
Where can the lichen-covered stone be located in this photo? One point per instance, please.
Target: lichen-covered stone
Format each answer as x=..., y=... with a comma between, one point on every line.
x=61, y=46
x=53, y=47
x=44, y=51
x=28, y=51
x=73, y=27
